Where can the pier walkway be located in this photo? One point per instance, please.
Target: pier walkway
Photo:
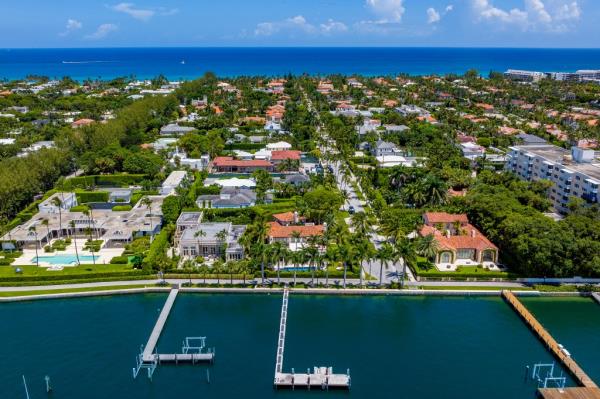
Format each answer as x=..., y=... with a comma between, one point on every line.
x=596, y=297
x=580, y=376
x=148, y=354
x=320, y=377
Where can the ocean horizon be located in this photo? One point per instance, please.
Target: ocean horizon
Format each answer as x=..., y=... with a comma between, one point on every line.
x=184, y=63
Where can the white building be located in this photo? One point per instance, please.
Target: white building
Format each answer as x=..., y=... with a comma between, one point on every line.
x=279, y=146
x=575, y=174
x=67, y=201
x=174, y=180
x=472, y=151
x=524, y=76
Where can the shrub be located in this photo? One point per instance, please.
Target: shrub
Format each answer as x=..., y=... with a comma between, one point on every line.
x=48, y=248
x=78, y=208
x=121, y=208
x=119, y=260
x=91, y=196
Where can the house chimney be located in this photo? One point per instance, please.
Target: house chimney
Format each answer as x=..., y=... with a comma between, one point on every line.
x=473, y=233
x=296, y=217
x=448, y=233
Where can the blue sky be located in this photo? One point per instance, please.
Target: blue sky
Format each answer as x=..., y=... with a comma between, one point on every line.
x=462, y=23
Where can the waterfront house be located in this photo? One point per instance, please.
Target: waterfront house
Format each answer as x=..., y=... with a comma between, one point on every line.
x=458, y=242
x=292, y=230
x=212, y=240
x=231, y=165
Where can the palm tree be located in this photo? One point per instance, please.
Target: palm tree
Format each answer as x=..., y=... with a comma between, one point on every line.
x=58, y=203
x=344, y=254
x=385, y=254
x=37, y=257
x=404, y=250
x=46, y=223
x=312, y=253
x=361, y=224
x=72, y=225
x=278, y=252
x=221, y=237
x=147, y=202
x=427, y=246
x=197, y=235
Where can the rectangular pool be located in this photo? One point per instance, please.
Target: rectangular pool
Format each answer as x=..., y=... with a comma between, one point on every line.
x=64, y=259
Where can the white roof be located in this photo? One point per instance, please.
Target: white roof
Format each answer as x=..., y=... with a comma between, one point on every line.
x=262, y=154
x=175, y=178
x=280, y=144
x=240, y=153
x=7, y=141
x=236, y=182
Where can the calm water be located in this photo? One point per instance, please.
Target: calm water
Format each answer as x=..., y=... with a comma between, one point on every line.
x=575, y=323
x=419, y=347
x=188, y=63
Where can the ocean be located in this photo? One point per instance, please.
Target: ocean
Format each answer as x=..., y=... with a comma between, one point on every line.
x=189, y=63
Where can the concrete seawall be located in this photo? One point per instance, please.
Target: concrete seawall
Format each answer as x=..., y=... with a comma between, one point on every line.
x=300, y=291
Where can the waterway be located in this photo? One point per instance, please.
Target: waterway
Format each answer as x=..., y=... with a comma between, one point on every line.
x=414, y=347
x=574, y=323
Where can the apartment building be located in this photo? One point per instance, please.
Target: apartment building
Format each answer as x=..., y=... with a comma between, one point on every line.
x=574, y=174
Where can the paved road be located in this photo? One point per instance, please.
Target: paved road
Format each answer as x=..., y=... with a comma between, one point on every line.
x=393, y=272
x=332, y=282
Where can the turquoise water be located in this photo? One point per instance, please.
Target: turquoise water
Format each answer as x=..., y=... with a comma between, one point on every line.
x=65, y=259
x=146, y=63
x=395, y=347
x=575, y=323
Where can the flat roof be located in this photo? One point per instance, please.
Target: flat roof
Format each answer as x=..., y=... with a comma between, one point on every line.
x=557, y=154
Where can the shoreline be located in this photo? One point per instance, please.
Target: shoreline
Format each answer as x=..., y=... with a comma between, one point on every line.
x=298, y=291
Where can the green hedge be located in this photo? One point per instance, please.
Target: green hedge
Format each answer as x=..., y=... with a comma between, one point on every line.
x=84, y=197
x=120, y=180
x=119, y=260
x=69, y=277
x=121, y=208
x=245, y=146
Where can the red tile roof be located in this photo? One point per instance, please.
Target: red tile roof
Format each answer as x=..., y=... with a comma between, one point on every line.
x=282, y=155
x=443, y=217
x=278, y=231
x=470, y=239
x=229, y=161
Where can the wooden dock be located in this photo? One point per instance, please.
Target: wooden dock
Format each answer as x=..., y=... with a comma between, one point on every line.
x=148, y=354
x=580, y=376
x=569, y=393
x=320, y=377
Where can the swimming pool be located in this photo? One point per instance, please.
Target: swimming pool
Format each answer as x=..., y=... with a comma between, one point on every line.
x=65, y=259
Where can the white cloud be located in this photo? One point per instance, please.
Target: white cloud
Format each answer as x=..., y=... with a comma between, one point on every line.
x=299, y=24
x=137, y=13
x=433, y=16
x=332, y=26
x=72, y=25
x=102, y=31
x=387, y=10
x=449, y=8
x=535, y=15
x=567, y=12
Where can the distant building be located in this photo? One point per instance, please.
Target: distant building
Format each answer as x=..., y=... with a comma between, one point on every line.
x=574, y=174
x=174, y=129
x=472, y=151
x=173, y=181
x=524, y=76
x=231, y=198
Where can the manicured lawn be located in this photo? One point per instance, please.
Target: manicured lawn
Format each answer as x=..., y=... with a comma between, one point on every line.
x=69, y=290
x=426, y=269
x=9, y=271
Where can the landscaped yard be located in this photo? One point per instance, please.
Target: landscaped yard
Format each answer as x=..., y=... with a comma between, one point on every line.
x=33, y=271
x=424, y=268
x=70, y=290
